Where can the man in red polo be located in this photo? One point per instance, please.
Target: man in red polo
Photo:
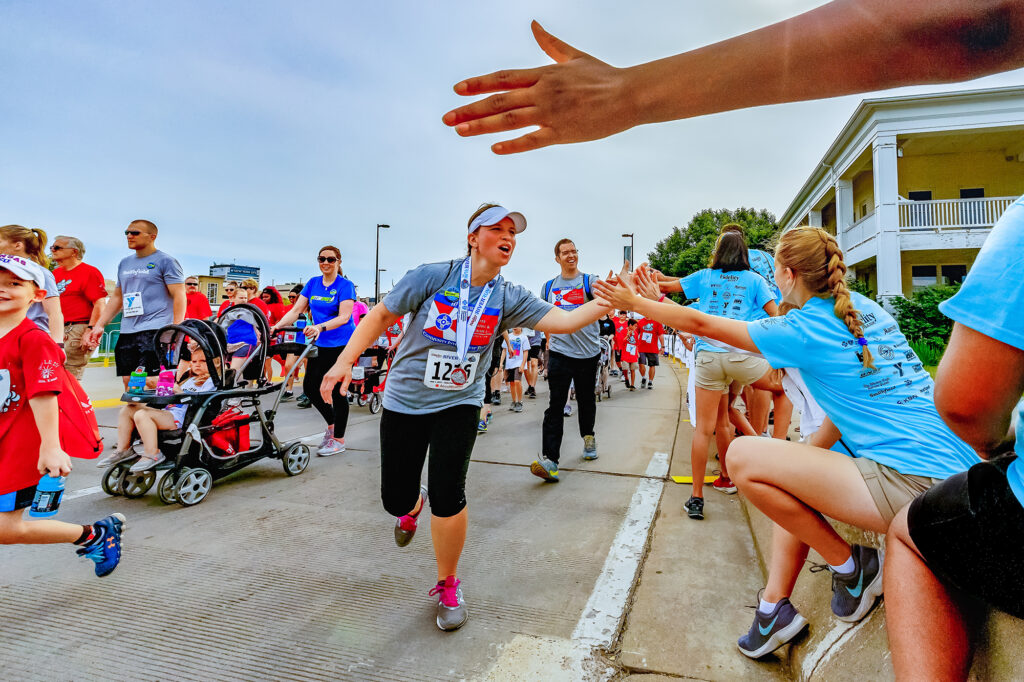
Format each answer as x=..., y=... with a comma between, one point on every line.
x=197, y=306
x=82, y=294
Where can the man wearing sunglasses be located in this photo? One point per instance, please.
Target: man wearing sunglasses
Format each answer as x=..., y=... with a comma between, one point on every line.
x=82, y=293
x=150, y=293
x=197, y=306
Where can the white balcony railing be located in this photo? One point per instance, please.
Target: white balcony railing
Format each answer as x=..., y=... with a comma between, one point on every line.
x=860, y=230
x=951, y=214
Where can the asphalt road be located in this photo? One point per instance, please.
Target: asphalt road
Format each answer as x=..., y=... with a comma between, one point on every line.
x=299, y=578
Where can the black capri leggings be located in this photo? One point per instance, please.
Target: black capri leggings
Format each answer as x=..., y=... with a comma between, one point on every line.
x=316, y=368
x=404, y=439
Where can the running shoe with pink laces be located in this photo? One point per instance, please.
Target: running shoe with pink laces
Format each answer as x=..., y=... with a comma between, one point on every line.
x=405, y=526
x=451, y=609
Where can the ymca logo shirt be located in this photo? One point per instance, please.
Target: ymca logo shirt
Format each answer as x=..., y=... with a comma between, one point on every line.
x=148, y=277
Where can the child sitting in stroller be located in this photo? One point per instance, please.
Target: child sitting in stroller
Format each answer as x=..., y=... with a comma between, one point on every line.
x=148, y=421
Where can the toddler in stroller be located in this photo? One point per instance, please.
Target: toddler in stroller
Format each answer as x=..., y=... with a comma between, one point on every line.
x=368, y=378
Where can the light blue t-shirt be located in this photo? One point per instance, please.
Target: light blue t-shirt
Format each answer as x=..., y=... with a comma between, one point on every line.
x=324, y=302
x=143, y=281
x=763, y=264
x=738, y=295
x=886, y=414
x=990, y=302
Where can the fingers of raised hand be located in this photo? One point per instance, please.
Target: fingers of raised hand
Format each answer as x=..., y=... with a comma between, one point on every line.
x=499, y=81
x=509, y=119
x=495, y=104
x=535, y=140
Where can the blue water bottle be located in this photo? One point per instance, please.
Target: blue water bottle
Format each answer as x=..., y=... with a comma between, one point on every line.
x=299, y=336
x=49, y=493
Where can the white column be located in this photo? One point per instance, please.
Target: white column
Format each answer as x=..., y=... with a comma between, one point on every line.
x=844, y=208
x=814, y=218
x=890, y=274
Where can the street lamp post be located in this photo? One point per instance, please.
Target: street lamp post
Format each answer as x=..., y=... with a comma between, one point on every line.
x=630, y=258
x=376, y=265
x=380, y=270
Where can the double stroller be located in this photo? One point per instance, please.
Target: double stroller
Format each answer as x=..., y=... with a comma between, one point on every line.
x=223, y=430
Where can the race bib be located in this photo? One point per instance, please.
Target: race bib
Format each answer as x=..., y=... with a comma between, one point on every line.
x=630, y=349
x=646, y=337
x=443, y=372
x=132, y=304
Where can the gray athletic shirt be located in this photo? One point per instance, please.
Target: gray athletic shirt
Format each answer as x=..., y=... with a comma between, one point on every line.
x=569, y=294
x=149, y=276
x=431, y=293
x=35, y=311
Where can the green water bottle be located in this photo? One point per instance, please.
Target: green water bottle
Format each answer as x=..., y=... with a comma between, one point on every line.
x=137, y=380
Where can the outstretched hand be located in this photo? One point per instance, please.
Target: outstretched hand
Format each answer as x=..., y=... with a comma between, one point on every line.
x=579, y=98
x=617, y=291
x=645, y=283
x=340, y=372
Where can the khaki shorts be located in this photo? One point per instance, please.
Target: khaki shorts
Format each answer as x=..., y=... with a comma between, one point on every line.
x=715, y=371
x=77, y=357
x=890, y=489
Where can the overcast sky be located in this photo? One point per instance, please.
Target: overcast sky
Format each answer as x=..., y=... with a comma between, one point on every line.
x=258, y=131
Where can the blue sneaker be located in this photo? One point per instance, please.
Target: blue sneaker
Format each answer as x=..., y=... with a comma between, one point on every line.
x=546, y=469
x=105, y=551
x=481, y=426
x=854, y=595
x=771, y=631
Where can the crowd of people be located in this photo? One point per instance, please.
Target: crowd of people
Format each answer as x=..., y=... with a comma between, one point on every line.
x=933, y=466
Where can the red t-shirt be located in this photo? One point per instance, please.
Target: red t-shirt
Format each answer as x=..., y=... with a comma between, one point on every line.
x=197, y=306
x=276, y=312
x=625, y=341
x=29, y=365
x=80, y=288
x=619, y=326
x=649, y=335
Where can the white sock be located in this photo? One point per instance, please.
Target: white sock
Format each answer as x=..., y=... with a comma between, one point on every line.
x=766, y=607
x=845, y=568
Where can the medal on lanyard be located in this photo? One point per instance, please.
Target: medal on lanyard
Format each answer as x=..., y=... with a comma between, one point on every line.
x=468, y=321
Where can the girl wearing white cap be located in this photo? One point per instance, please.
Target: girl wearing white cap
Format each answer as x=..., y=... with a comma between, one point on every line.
x=435, y=385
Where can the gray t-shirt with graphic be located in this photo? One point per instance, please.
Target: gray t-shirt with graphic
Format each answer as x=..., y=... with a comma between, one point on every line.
x=421, y=377
x=146, y=303
x=36, y=313
x=569, y=294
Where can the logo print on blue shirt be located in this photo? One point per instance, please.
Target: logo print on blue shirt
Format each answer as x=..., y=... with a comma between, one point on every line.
x=150, y=266
x=443, y=322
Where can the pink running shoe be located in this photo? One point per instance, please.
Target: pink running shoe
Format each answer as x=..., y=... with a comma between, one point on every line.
x=405, y=526
x=451, y=609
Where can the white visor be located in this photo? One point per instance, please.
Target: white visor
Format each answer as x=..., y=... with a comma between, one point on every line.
x=495, y=215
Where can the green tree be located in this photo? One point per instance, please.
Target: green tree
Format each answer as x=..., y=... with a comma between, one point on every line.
x=919, y=316
x=688, y=249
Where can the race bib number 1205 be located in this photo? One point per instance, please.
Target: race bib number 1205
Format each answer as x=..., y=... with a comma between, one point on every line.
x=444, y=373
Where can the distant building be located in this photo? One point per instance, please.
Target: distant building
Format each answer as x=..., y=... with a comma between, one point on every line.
x=233, y=271
x=913, y=185
x=213, y=287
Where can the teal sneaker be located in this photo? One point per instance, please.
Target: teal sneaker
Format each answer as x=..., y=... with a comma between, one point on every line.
x=546, y=469
x=772, y=630
x=589, y=448
x=854, y=595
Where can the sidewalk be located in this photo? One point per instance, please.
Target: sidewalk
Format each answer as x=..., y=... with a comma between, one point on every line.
x=103, y=385
x=696, y=584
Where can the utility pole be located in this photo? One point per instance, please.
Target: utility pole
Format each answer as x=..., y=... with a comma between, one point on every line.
x=376, y=266
x=630, y=256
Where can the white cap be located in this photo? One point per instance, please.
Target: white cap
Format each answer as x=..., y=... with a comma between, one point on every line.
x=494, y=215
x=24, y=269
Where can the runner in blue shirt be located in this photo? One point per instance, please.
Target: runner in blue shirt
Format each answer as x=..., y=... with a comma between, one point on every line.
x=964, y=538
x=858, y=366
x=329, y=299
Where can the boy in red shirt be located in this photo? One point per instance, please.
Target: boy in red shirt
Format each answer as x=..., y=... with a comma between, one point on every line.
x=29, y=424
x=626, y=341
x=649, y=346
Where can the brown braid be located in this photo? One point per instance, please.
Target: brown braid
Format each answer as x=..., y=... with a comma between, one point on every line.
x=814, y=254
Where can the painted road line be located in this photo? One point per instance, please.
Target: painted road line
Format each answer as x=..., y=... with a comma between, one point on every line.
x=600, y=619
x=106, y=402
x=83, y=492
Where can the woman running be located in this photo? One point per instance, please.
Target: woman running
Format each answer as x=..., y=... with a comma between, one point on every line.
x=730, y=289
x=435, y=387
x=16, y=240
x=329, y=299
x=858, y=366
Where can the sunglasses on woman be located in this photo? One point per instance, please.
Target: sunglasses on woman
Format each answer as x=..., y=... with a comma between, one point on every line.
x=327, y=259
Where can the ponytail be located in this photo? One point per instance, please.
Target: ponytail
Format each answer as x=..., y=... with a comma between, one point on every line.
x=814, y=254
x=34, y=241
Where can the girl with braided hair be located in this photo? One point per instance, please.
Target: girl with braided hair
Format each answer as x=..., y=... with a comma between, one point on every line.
x=875, y=392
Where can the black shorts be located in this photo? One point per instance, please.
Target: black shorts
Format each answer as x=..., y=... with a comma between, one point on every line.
x=970, y=531
x=618, y=356
x=533, y=353
x=512, y=375
x=19, y=499
x=649, y=359
x=136, y=350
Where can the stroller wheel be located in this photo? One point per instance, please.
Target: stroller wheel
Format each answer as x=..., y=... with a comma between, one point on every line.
x=137, y=485
x=193, y=486
x=112, y=478
x=362, y=400
x=165, y=491
x=295, y=459
x=375, y=403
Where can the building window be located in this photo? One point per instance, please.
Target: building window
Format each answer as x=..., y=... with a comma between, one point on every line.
x=923, y=276
x=953, y=274
x=211, y=292
x=920, y=216
x=972, y=207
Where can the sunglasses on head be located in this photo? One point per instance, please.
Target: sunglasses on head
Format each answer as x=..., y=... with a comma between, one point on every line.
x=327, y=259
x=133, y=233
